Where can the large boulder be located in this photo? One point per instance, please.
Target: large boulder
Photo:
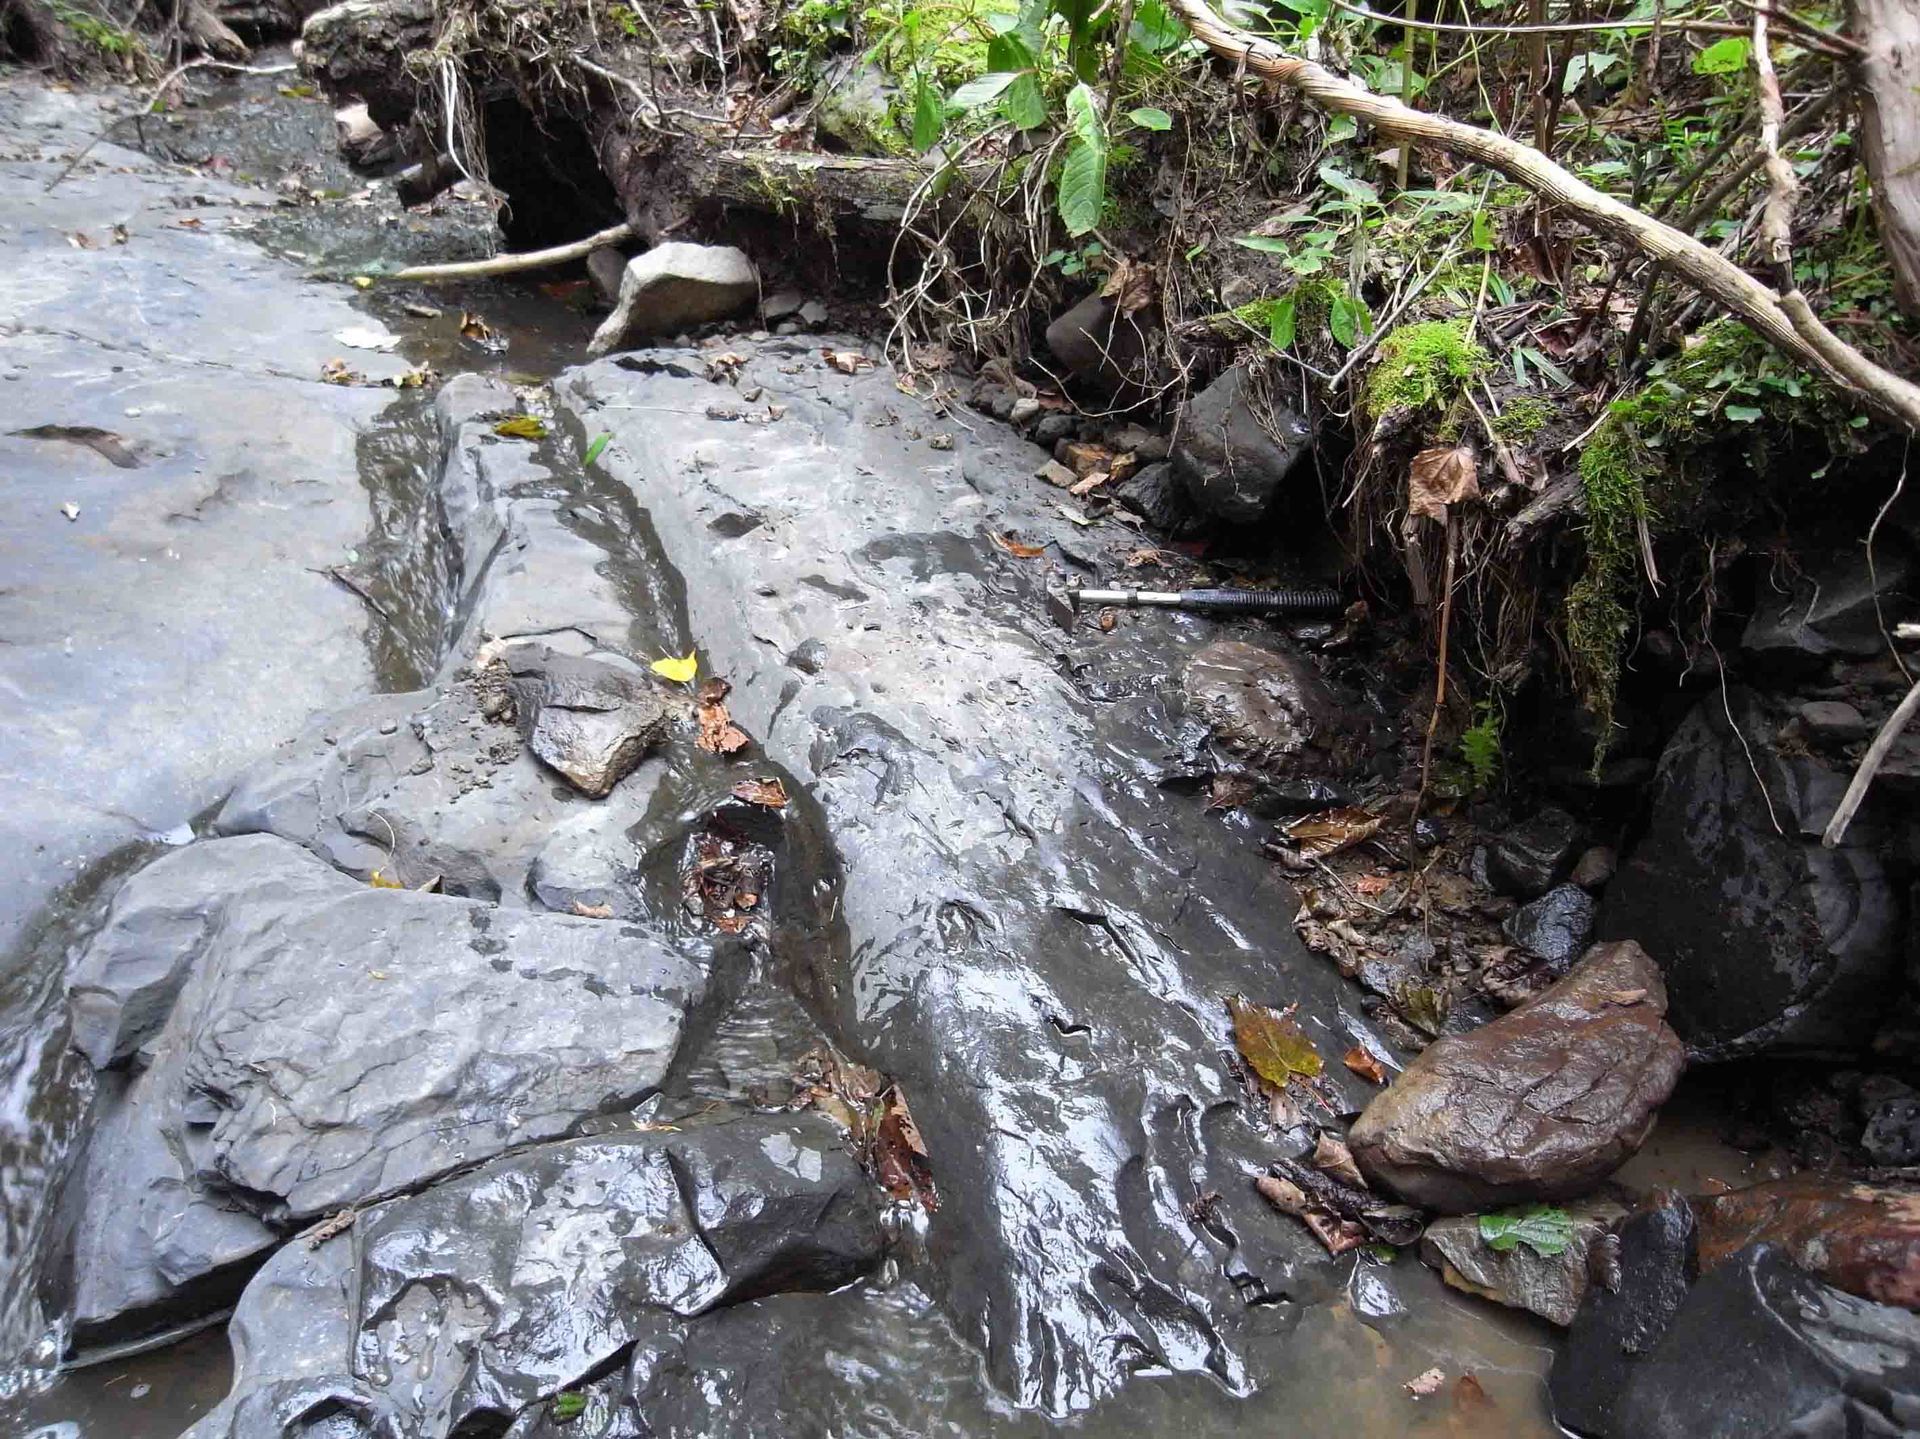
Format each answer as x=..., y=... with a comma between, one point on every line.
x=1863, y=1238
x=1756, y=1347
x=460, y=1309
x=328, y=1043
x=674, y=286
x=1768, y=940
x=1542, y=1103
x=1235, y=449
x=1101, y=347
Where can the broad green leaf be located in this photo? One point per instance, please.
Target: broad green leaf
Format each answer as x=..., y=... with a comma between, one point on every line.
x=1149, y=117
x=597, y=448
x=983, y=91
x=1155, y=28
x=569, y=1406
x=1482, y=231
x=1744, y=414
x=1024, y=104
x=1272, y=1043
x=1342, y=128
x=1724, y=57
x=1265, y=244
x=928, y=118
x=1348, y=318
x=1358, y=191
x=1083, y=187
x=522, y=427
x=1083, y=113
x=1008, y=54
x=680, y=669
x=1542, y=1228
x=1280, y=323
x=1588, y=65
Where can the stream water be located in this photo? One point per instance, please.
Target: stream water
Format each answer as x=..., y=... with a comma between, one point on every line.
x=883, y=1361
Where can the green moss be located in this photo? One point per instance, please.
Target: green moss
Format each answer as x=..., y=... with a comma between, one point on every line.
x=1423, y=365
x=1524, y=417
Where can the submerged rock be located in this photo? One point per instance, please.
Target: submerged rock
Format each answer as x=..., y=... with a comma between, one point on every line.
x=1233, y=467
x=673, y=286
x=1863, y=1238
x=328, y=1044
x=1550, y=1285
x=456, y=1310
x=1768, y=940
x=1542, y=1103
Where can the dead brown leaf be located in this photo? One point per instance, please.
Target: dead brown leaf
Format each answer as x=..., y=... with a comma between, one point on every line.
x=1365, y=1065
x=1422, y=1385
x=1338, y=1235
x=1333, y=1157
x=725, y=881
x=767, y=793
x=1319, y=835
x=847, y=362
x=593, y=911
x=1141, y=559
x=1230, y=791
x=717, y=733
x=1132, y=285
x=1372, y=884
x=1283, y=1194
x=473, y=327
x=1087, y=486
x=1442, y=476
x=1109, y=620
x=1018, y=550
x=1470, y=1393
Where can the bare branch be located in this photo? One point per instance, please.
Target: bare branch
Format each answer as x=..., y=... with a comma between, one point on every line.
x=1776, y=215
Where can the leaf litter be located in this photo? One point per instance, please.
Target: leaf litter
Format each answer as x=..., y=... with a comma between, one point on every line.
x=717, y=733
x=874, y=1112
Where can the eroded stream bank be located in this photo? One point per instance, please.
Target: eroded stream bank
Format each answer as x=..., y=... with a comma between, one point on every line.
x=474, y=1040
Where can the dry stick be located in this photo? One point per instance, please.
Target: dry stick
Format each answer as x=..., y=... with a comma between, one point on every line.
x=1870, y=766
x=514, y=264
x=1786, y=322
x=1440, y=681
x=1776, y=216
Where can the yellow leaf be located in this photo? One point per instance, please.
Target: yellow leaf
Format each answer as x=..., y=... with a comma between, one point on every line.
x=522, y=427
x=1272, y=1042
x=363, y=282
x=380, y=881
x=681, y=670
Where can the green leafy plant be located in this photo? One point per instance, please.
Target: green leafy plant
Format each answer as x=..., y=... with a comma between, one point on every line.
x=1480, y=745
x=1542, y=1228
x=1083, y=174
x=569, y=1406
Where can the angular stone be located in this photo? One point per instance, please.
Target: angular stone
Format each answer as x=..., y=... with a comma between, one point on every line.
x=1863, y=1238
x=1759, y=1347
x=1595, y=867
x=1233, y=468
x=589, y=720
x=1268, y=707
x=1829, y=609
x=1154, y=493
x=1542, y=1103
x=1644, y=1271
x=329, y=1044
x=1768, y=940
x=1530, y=858
x=606, y=268
x=1550, y=1285
x=456, y=1310
x=1556, y=926
x=673, y=286
x=1099, y=346
x=1834, y=721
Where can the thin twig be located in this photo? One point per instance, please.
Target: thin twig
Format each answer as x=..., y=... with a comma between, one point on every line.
x=1776, y=216
x=153, y=102
x=1876, y=756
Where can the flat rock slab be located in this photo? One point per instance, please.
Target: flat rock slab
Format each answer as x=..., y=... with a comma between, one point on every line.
x=456, y=1310
x=1543, y=1103
x=327, y=1044
x=1550, y=1285
x=1037, y=944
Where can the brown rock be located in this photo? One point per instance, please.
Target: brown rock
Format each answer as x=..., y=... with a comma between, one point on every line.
x=1268, y=707
x=1542, y=1103
x=1863, y=1238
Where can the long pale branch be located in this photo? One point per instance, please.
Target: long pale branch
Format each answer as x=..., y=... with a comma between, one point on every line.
x=1786, y=322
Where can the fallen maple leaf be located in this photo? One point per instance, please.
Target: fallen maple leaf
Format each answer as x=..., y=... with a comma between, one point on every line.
x=1272, y=1042
x=1444, y=475
x=767, y=793
x=1365, y=1065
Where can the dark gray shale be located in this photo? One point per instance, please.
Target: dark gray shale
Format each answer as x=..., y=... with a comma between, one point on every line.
x=1039, y=938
